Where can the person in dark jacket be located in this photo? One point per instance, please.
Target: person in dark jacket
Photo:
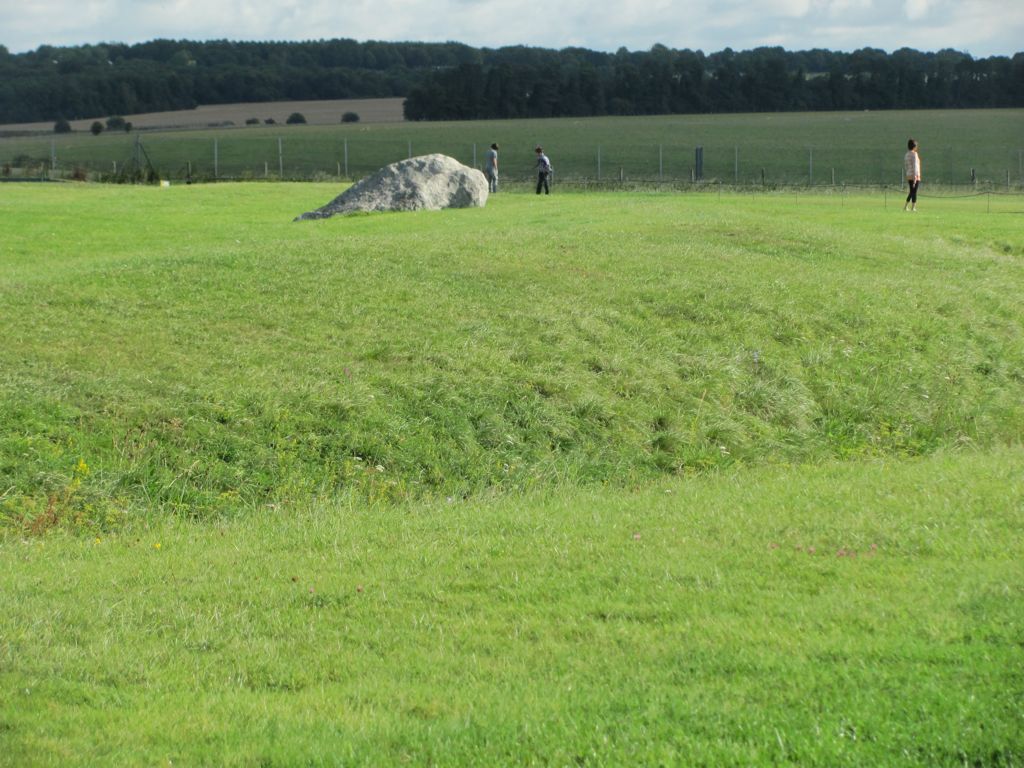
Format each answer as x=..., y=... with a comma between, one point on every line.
x=544, y=171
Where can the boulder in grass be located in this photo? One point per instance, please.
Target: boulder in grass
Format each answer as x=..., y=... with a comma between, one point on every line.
x=429, y=182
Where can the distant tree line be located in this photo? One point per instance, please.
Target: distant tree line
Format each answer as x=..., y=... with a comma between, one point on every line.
x=86, y=81
x=522, y=82
x=444, y=81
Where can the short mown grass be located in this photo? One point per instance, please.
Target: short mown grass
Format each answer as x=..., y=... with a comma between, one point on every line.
x=854, y=614
x=588, y=479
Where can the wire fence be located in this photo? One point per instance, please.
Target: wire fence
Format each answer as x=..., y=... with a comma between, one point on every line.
x=185, y=158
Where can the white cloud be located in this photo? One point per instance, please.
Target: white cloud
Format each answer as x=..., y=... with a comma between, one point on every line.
x=916, y=9
x=984, y=27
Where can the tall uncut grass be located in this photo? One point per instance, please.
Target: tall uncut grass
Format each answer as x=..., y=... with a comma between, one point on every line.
x=194, y=349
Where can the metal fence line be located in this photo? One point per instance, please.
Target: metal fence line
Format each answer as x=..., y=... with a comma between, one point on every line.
x=228, y=158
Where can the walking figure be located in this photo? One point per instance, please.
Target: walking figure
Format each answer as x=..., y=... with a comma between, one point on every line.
x=912, y=173
x=544, y=171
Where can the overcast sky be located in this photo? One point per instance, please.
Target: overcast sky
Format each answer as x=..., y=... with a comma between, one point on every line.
x=979, y=27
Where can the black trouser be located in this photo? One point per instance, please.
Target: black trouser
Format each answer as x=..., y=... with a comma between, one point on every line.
x=912, y=194
x=542, y=181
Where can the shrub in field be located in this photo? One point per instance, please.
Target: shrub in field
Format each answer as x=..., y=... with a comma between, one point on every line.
x=350, y=117
x=296, y=118
x=116, y=123
x=252, y=121
x=96, y=128
x=71, y=502
x=270, y=121
x=62, y=126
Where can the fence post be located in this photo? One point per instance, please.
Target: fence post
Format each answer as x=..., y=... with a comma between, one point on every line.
x=474, y=154
x=53, y=155
x=216, y=160
x=810, y=167
x=346, y=158
x=833, y=177
x=598, y=162
x=280, y=158
x=661, y=162
x=410, y=148
x=736, y=166
x=698, y=161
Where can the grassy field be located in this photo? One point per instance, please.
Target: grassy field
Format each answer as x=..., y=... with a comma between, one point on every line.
x=196, y=348
x=849, y=615
x=788, y=148
x=596, y=479
x=320, y=112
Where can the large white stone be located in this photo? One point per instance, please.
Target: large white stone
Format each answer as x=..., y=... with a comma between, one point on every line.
x=429, y=182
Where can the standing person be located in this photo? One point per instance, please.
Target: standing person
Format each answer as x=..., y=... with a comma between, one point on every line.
x=912, y=173
x=544, y=171
x=491, y=168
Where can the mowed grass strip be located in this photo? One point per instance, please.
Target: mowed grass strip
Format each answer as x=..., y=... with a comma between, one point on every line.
x=862, y=613
x=194, y=350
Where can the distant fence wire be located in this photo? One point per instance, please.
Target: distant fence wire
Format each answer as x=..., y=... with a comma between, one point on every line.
x=187, y=159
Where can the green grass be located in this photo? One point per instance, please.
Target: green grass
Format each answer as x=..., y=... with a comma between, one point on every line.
x=598, y=479
x=855, y=614
x=196, y=350
x=790, y=148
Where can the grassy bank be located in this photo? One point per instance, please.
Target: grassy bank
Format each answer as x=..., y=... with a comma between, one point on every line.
x=861, y=613
x=593, y=479
x=194, y=350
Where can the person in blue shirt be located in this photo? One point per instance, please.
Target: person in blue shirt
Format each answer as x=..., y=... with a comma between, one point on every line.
x=544, y=171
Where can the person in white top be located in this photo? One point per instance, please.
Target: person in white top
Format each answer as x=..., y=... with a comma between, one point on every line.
x=912, y=173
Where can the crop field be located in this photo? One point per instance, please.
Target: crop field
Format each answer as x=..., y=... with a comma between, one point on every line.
x=320, y=112
x=958, y=147
x=600, y=478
